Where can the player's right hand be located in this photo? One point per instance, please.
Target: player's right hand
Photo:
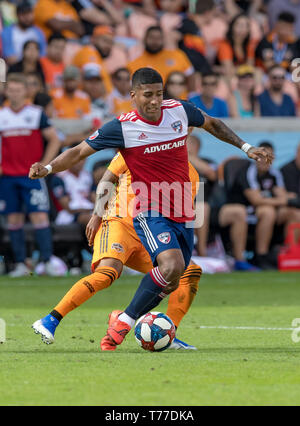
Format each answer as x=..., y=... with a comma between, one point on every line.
x=37, y=171
x=261, y=155
x=92, y=228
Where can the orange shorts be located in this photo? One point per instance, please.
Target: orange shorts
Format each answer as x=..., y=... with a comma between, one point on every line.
x=118, y=240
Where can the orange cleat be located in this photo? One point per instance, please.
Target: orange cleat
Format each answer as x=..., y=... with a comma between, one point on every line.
x=117, y=330
x=113, y=316
x=107, y=344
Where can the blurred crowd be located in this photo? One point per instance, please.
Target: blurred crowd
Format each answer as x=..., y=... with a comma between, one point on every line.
x=231, y=58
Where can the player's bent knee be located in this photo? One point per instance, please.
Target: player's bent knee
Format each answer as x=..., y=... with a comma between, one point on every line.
x=172, y=271
x=171, y=287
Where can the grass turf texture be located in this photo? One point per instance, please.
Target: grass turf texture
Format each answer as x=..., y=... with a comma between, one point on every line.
x=231, y=367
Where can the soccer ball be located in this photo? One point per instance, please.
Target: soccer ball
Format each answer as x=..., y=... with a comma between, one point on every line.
x=154, y=331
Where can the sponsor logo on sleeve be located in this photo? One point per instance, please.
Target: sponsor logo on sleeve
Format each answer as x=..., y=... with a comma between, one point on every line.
x=94, y=135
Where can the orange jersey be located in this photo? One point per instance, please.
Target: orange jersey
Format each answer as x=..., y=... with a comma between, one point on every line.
x=164, y=62
x=90, y=55
x=119, y=104
x=53, y=72
x=226, y=53
x=50, y=9
x=122, y=203
x=77, y=106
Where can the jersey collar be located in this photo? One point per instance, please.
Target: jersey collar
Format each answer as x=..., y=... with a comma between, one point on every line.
x=153, y=123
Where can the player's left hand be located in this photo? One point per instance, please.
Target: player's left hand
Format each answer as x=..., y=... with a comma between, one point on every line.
x=37, y=171
x=92, y=228
x=261, y=155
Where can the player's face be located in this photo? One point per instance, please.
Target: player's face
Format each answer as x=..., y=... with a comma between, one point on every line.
x=148, y=99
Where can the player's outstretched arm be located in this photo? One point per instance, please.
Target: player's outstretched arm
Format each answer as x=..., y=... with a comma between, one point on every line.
x=219, y=129
x=63, y=162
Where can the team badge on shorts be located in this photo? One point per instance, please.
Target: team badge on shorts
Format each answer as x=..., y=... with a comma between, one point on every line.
x=164, y=237
x=177, y=126
x=118, y=247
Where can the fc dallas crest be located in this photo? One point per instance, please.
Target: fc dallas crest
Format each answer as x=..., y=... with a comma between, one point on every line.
x=177, y=126
x=164, y=237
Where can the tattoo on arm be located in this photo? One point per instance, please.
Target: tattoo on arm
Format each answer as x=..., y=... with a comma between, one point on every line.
x=219, y=129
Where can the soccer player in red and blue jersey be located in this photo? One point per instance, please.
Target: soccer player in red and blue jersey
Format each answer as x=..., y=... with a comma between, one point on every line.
x=22, y=128
x=152, y=140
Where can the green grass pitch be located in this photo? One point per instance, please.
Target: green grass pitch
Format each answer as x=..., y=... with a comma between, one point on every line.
x=257, y=364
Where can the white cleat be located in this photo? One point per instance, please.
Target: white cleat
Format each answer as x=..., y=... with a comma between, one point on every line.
x=39, y=328
x=20, y=270
x=178, y=344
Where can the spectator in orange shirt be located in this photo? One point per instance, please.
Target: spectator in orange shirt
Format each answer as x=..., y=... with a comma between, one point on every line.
x=58, y=16
x=238, y=48
x=163, y=60
x=120, y=100
x=96, y=53
x=71, y=103
x=52, y=64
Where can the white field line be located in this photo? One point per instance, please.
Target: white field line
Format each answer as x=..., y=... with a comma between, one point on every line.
x=204, y=327
x=225, y=327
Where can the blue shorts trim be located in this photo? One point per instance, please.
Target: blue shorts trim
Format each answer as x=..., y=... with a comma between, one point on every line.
x=159, y=234
x=21, y=194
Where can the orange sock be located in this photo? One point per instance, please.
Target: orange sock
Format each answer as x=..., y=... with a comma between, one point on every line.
x=85, y=288
x=182, y=298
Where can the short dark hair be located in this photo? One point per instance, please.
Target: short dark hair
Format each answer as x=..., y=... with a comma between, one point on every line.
x=56, y=36
x=153, y=28
x=146, y=76
x=266, y=144
x=115, y=75
x=209, y=74
x=274, y=67
x=16, y=77
x=28, y=42
x=286, y=17
x=202, y=7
